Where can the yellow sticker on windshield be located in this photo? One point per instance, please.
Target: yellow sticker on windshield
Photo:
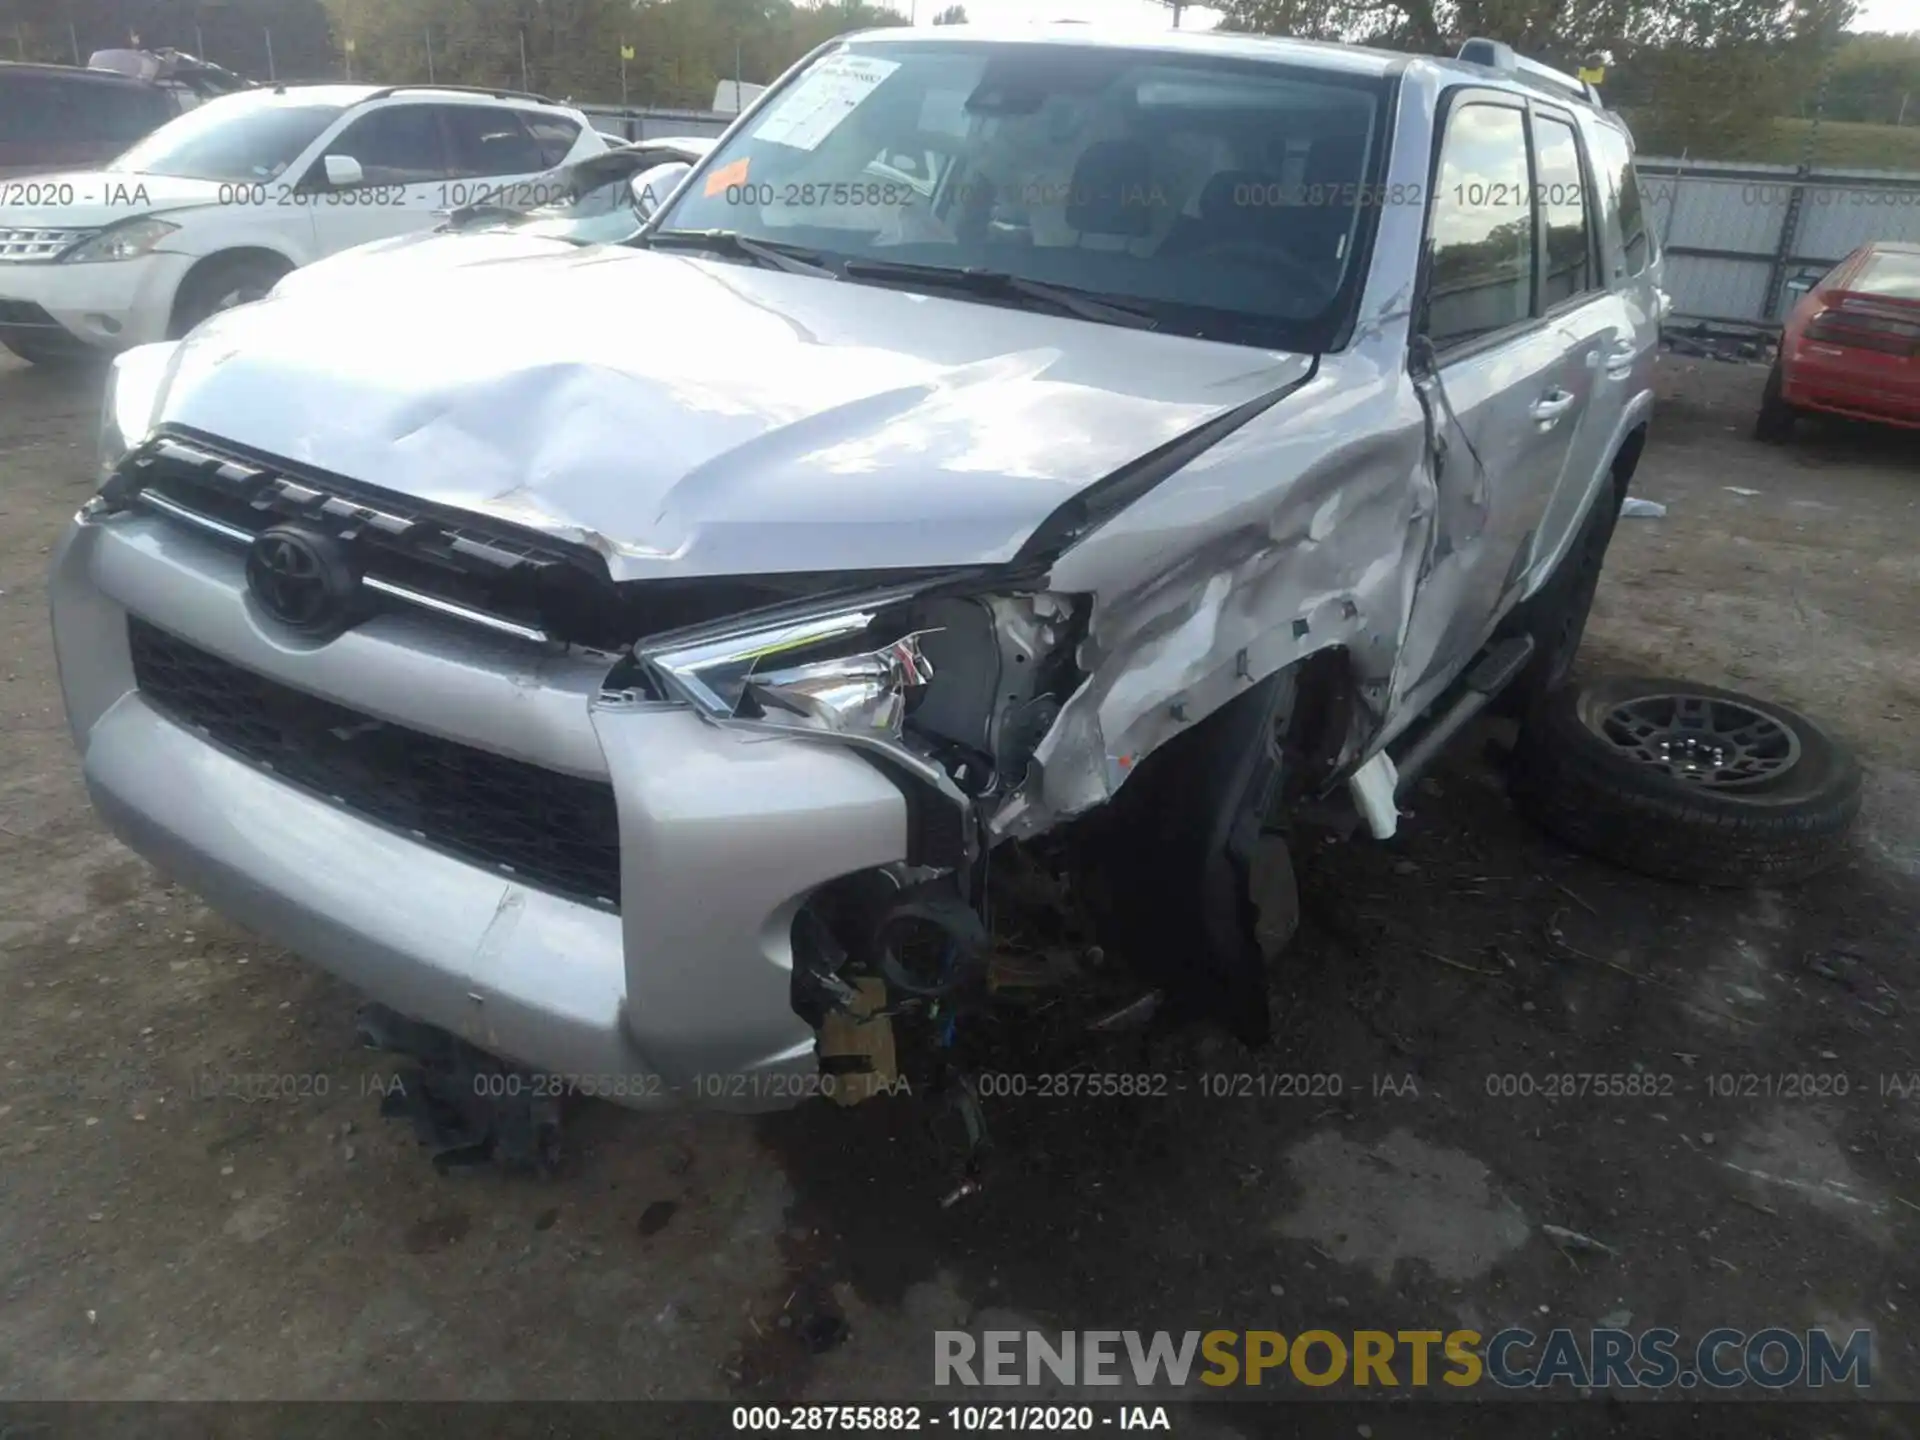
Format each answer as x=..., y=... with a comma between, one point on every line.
x=727, y=176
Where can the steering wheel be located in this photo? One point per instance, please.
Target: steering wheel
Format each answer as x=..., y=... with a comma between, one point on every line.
x=1255, y=254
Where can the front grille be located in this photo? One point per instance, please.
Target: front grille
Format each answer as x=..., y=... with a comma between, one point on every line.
x=413, y=551
x=41, y=244
x=486, y=567
x=553, y=831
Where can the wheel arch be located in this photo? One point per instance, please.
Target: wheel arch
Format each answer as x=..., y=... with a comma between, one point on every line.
x=207, y=264
x=1626, y=457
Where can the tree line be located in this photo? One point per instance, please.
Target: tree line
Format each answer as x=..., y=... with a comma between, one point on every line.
x=1691, y=73
x=670, y=52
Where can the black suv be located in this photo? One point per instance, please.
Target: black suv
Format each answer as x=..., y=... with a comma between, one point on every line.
x=61, y=117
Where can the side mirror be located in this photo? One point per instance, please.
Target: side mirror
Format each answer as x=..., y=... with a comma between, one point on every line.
x=651, y=187
x=342, y=171
x=1799, y=285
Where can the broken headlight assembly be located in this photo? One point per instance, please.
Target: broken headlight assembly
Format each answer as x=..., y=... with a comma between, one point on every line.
x=948, y=687
x=820, y=672
x=958, y=687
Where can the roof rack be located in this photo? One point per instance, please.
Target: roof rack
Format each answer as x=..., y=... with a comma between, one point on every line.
x=1496, y=56
x=495, y=92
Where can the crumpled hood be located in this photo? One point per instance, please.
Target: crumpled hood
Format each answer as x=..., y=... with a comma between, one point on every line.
x=106, y=197
x=690, y=417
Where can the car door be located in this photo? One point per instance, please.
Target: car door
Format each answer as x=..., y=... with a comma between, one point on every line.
x=1610, y=341
x=1498, y=381
x=404, y=167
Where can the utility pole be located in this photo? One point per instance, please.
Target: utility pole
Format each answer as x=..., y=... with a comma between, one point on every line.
x=1903, y=108
x=1178, y=6
x=73, y=40
x=199, y=41
x=523, y=59
x=428, y=34
x=271, y=73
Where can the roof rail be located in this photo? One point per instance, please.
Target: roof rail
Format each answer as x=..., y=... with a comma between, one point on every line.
x=1497, y=56
x=494, y=91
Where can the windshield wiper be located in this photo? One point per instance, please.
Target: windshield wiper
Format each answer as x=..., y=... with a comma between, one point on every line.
x=795, y=259
x=1086, y=305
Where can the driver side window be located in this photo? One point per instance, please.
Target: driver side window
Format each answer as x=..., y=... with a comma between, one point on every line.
x=396, y=145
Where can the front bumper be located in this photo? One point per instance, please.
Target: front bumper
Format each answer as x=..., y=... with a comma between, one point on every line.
x=722, y=836
x=111, y=305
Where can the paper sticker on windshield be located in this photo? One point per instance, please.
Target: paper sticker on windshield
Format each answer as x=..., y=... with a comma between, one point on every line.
x=728, y=176
x=829, y=93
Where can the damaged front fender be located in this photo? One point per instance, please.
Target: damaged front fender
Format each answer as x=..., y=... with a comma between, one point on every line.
x=1225, y=574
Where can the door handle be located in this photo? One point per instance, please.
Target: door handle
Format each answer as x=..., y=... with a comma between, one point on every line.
x=1550, y=407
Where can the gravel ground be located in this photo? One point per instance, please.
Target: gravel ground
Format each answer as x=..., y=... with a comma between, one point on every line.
x=158, y=1245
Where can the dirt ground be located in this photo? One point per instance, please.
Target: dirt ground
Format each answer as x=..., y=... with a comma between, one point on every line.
x=154, y=1244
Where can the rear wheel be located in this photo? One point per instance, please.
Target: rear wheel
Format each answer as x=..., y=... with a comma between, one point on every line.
x=1775, y=422
x=221, y=284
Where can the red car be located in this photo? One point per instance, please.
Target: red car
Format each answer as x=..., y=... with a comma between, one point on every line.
x=1851, y=346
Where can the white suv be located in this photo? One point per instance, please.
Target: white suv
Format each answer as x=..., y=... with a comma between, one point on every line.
x=214, y=207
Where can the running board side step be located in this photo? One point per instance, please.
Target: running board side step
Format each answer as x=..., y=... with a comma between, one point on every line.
x=1499, y=666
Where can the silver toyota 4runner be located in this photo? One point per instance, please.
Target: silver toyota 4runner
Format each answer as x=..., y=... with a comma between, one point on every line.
x=639, y=660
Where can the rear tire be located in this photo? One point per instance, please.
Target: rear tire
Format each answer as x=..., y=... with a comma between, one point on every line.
x=221, y=284
x=1774, y=426
x=1605, y=768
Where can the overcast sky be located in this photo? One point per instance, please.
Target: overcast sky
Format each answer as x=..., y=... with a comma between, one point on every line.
x=1897, y=15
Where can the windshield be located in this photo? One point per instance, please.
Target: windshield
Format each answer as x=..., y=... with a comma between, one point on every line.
x=1893, y=273
x=1228, y=198
x=237, y=139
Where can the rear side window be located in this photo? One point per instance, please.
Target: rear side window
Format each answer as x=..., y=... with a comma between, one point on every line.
x=395, y=145
x=31, y=107
x=1561, y=194
x=121, y=114
x=1892, y=273
x=1481, y=230
x=1615, y=161
x=554, y=134
x=486, y=141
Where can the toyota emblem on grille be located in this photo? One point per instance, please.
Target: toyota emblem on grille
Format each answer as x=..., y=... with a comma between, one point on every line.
x=302, y=579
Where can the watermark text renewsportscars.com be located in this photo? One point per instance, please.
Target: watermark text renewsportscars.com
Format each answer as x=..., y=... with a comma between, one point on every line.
x=1596, y=1358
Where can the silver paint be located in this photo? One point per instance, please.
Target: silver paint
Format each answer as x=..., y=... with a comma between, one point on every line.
x=688, y=417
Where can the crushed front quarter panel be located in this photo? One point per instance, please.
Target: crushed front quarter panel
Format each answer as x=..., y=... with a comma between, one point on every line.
x=1219, y=577
x=1310, y=527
